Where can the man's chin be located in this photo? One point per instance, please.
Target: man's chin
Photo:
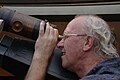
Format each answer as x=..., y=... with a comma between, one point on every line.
x=64, y=62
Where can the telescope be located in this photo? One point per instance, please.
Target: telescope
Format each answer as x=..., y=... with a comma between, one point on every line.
x=21, y=24
x=16, y=53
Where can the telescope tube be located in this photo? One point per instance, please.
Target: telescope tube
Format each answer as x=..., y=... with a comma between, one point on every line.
x=19, y=23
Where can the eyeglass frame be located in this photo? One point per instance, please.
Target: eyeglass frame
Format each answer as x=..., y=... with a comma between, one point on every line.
x=65, y=36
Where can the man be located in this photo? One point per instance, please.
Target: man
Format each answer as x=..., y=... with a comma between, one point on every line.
x=87, y=50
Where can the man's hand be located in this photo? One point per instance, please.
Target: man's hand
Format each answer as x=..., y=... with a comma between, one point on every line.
x=46, y=41
x=44, y=46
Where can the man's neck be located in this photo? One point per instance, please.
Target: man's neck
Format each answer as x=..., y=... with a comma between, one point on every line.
x=86, y=64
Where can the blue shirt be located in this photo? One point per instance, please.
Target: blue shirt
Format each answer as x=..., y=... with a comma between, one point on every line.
x=107, y=70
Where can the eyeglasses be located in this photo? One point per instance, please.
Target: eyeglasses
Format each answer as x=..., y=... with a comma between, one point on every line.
x=65, y=36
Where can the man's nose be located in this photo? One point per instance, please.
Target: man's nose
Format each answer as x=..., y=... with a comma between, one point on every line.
x=60, y=44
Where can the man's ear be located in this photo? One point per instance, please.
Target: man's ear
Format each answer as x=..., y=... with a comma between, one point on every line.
x=88, y=44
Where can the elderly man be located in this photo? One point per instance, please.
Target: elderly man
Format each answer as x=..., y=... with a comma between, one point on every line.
x=87, y=50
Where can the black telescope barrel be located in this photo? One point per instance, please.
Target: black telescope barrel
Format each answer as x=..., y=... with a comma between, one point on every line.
x=19, y=23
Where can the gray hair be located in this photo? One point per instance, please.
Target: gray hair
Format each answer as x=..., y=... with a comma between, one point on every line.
x=100, y=30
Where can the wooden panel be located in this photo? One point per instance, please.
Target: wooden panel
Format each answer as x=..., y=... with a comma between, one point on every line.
x=3, y=72
x=115, y=27
x=60, y=26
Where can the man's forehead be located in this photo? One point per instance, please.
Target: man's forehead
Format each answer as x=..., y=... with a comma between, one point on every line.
x=74, y=26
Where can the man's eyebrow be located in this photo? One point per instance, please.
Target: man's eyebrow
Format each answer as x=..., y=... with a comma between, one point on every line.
x=66, y=33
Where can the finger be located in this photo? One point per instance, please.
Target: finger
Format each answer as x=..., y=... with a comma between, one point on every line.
x=51, y=31
x=41, y=31
x=56, y=33
x=47, y=31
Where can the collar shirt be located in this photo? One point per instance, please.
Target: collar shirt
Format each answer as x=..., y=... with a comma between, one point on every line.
x=107, y=70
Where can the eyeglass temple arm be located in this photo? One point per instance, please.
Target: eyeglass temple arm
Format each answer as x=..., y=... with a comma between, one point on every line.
x=60, y=36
